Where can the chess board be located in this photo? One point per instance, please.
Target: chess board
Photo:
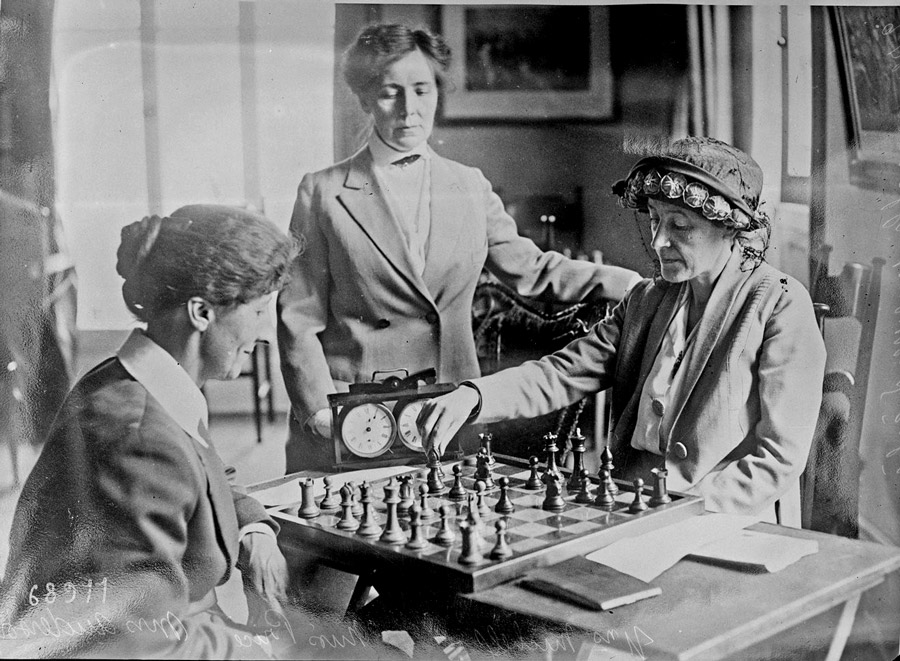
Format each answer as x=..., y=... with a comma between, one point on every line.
x=536, y=537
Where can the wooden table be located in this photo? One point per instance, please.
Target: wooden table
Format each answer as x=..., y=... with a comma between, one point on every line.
x=709, y=612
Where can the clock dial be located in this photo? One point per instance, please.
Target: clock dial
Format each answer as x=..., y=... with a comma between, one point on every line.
x=367, y=429
x=406, y=414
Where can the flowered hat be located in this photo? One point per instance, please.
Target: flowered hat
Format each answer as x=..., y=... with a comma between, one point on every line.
x=718, y=181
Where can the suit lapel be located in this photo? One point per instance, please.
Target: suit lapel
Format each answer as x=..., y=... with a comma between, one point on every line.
x=662, y=316
x=719, y=310
x=222, y=500
x=364, y=200
x=448, y=206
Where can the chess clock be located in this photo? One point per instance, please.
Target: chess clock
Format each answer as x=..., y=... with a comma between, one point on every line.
x=375, y=423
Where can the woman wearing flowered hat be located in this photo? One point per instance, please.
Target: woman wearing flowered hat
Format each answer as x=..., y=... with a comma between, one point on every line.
x=716, y=365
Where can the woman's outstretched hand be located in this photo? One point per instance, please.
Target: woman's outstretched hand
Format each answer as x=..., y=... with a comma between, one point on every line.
x=442, y=417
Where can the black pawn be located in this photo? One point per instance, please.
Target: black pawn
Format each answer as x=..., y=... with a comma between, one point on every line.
x=457, y=491
x=308, y=508
x=425, y=511
x=583, y=496
x=368, y=526
x=347, y=522
x=574, y=483
x=501, y=549
x=504, y=505
x=660, y=491
x=553, y=501
x=606, y=461
x=445, y=536
x=533, y=483
x=417, y=540
x=638, y=505
x=480, y=505
x=331, y=500
x=393, y=533
x=604, y=499
x=354, y=499
x=471, y=555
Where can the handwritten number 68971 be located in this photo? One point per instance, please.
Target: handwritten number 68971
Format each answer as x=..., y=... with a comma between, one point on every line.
x=51, y=593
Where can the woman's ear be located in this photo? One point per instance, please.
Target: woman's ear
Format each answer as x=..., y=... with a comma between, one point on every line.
x=200, y=313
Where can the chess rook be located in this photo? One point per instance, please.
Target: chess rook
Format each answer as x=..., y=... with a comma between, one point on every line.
x=308, y=508
x=574, y=483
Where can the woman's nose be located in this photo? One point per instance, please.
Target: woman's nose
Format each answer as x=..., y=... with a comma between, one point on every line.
x=409, y=104
x=660, y=238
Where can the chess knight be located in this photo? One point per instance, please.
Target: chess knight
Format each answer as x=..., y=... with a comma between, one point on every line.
x=716, y=364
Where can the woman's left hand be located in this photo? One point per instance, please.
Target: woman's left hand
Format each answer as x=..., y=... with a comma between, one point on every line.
x=442, y=417
x=265, y=577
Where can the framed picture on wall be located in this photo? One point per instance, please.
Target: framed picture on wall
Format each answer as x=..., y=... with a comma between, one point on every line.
x=528, y=62
x=869, y=49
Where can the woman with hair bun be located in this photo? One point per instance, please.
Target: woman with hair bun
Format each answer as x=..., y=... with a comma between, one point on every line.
x=398, y=237
x=127, y=522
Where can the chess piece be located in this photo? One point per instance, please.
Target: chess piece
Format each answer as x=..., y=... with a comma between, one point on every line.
x=308, y=508
x=368, y=525
x=533, y=483
x=347, y=522
x=473, y=517
x=660, y=491
x=407, y=497
x=483, y=510
x=425, y=511
x=354, y=499
x=486, y=439
x=417, y=540
x=445, y=536
x=604, y=500
x=501, y=549
x=574, y=483
x=483, y=470
x=552, y=449
x=393, y=533
x=331, y=500
x=504, y=505
x=583, y=497
x=435, y=478
x=606, y=461
x=638, y=505
x=457, y=491
x=471, y=554
x=553, y=501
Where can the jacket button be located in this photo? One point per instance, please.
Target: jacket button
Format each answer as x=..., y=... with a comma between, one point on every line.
x=658, y=407
x=381, y=324
x=680, y=451
x=431, y=318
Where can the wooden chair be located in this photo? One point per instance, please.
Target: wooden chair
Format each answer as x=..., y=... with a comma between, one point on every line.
x=846, y=306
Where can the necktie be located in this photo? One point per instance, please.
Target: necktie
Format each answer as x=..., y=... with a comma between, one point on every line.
x=406, y=160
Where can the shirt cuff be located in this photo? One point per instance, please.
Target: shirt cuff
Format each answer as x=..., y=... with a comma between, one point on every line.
x=259, y=526
x=477, y=409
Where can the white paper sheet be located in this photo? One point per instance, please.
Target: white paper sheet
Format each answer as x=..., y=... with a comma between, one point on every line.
x=289, y=492
x=649, y=555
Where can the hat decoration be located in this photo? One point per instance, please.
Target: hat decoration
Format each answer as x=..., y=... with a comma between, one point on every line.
x=668, y=178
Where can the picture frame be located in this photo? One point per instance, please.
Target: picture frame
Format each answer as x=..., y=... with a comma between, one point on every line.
x=528, y=63
x=868, y=43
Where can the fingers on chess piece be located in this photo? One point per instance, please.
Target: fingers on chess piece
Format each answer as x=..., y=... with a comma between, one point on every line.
x=501, y=549
x=504, y=504
x=435, y=479
x=605, y=500
x=660, y=490
x=457, y=491
x=308, y=508
x=392, y=533
x=417, y=539
x=471, y=541
x=584, y=497
x=638, y=505
x=445, y=536
x=331, y=501
x=368, y=525
x=348, y=522
x=553, y=500
x=533, y=483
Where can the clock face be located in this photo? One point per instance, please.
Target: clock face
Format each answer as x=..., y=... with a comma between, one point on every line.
x=367, y=429
x=406, y=414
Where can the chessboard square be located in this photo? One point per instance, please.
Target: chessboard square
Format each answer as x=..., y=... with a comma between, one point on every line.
x=556, y=535
x=585, y=513
x=531, y=500
x=525, y=545
x=529, y=514
x=583, y=527
x=533, y=529
x=521, y=475
x=509, y=471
